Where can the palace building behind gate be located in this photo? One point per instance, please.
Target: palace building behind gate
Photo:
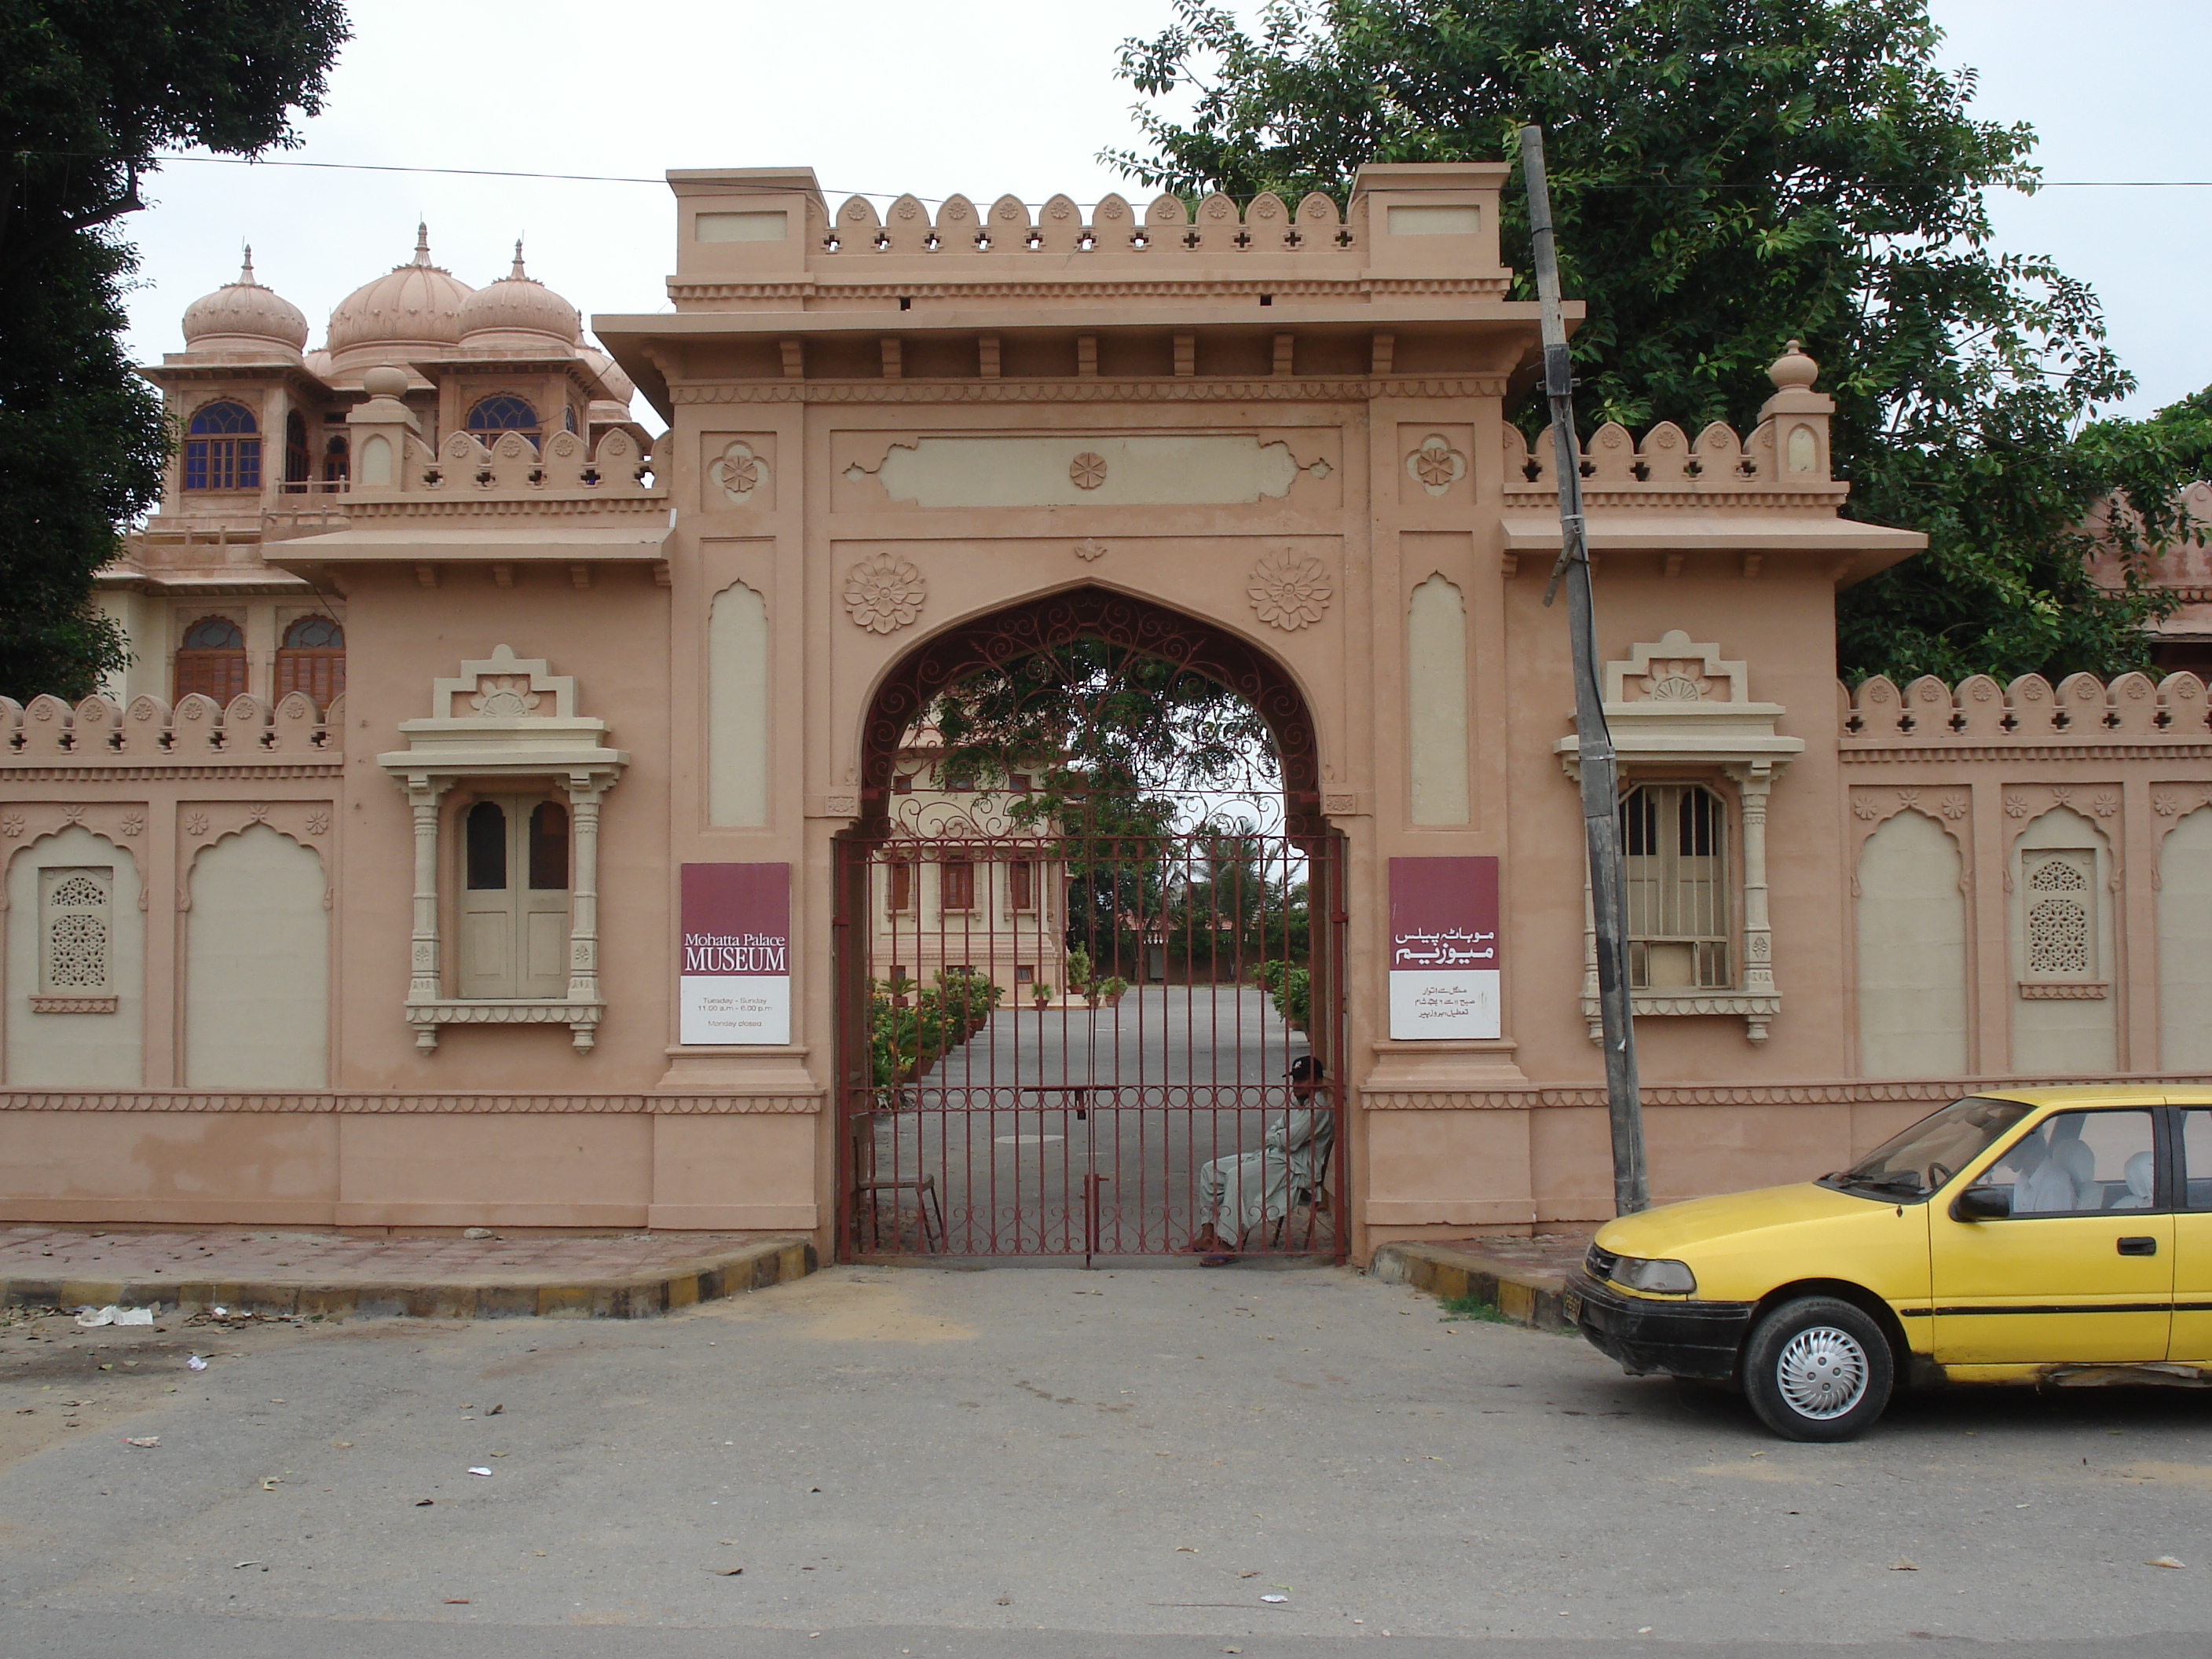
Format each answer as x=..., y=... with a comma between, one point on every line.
x=470, y=842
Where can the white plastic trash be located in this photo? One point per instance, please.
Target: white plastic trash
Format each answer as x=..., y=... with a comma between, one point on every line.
x=479, y=1471
x=92, y=1318
x=195, y=1362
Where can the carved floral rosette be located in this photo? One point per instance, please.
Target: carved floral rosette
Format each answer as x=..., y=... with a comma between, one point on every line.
x=1290, y=590
x=884, y=593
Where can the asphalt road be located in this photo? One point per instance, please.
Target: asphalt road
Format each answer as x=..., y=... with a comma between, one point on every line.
x=1050, y=1461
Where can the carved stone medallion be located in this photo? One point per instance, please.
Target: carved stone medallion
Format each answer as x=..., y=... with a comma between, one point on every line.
x=884, y=593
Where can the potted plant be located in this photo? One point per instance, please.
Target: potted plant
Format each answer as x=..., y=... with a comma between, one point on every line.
x=1078, y=975
x=1040, y=994
x=1109, y=989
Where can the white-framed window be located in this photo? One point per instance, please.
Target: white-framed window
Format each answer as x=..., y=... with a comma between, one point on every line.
x=1674, y=847
x=514, y=897
x=76, y=930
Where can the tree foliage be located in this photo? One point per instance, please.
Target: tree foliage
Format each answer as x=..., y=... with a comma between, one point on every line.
x=1725, y=175
x=93, y=90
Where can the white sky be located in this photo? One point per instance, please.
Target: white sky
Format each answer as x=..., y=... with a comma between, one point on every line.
x=987, y=96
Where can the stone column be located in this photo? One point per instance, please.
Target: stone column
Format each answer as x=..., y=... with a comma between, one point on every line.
x=584, y=789
x=426, y=983
x=1756, y=781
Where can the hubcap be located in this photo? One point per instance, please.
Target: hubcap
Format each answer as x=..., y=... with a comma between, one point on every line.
x=1823, y=1372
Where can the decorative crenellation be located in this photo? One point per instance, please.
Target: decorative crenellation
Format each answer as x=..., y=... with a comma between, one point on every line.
x=462, y=466
x=1166, y=226
x=2080, y=710
x=100, y=731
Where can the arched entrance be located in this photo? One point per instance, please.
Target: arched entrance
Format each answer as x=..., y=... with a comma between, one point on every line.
x=1089, y=923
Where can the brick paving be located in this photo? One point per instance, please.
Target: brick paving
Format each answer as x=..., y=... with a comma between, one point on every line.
x=254, y=1253
x=1545, y=1253
x=624, y=1276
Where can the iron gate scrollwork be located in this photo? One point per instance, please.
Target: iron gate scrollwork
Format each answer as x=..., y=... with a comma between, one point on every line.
x=1068, y=1012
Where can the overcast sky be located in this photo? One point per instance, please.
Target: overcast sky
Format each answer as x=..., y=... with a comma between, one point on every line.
x=988, y=96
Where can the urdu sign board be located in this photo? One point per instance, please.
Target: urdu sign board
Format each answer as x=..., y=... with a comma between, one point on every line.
x=733, y=969
x=1444, y=960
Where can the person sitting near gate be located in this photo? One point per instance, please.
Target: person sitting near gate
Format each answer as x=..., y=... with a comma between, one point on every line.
x=1244, y=1190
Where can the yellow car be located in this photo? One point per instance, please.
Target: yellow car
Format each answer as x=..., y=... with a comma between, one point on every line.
x=2034, y=1235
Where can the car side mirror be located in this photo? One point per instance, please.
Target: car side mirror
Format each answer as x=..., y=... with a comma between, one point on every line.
x=1982, y=1204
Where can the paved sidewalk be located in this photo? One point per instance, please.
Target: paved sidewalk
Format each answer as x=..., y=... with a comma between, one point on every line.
x=1522, y=1278
x=258, y=1271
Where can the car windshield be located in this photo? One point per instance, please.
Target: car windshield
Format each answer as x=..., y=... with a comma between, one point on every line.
x=1913, y=1165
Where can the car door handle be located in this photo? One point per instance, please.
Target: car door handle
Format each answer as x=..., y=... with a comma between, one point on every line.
x=2138, y=1247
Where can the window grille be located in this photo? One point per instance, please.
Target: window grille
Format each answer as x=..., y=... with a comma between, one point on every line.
x=222, y=450
x=75, y=932
x=312, y=660
x=212, y=659
x=1674, y=847
x=503, y=412
x=2058, y=931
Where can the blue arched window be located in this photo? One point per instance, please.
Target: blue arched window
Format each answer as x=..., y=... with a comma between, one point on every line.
x=503, y=412
x=221, y=448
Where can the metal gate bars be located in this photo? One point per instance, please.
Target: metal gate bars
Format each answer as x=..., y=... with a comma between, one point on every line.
x=1075, y=1035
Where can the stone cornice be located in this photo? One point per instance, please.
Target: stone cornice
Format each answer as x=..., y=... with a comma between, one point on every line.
x=1815, y=500
x=359, y=513
x=1194, y=287
x=1289, y=389
x=2188, y=748
x=139, y=769
x=184, y=1100
x=1844, y=1092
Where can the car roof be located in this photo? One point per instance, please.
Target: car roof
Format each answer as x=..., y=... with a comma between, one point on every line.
x=2107, y=1094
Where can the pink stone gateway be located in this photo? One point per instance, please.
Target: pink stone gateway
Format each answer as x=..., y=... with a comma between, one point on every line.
x=360, y=899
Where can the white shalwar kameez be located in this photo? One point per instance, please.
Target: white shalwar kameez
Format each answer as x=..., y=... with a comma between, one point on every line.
x=1259, y=1186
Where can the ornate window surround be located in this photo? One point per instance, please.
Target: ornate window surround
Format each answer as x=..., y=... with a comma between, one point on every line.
x=485, y=725
x=1678, y=710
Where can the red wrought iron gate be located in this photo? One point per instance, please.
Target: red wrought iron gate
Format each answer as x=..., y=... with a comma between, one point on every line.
x=1074, y=1038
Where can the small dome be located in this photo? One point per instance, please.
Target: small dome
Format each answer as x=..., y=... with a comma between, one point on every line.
x=519, y=310
x=415, y=304
x=618, y=385
x=244, y=313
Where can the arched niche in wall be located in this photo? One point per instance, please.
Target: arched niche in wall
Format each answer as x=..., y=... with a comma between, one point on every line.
x=2184, y=945
x=76, y=962
x=2060, y=924
x=256, y=966
x=1911, y=926
x=1436, y=702
x=737, y=710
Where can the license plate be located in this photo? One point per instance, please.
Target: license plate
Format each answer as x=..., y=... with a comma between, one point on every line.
x=1573, y=1305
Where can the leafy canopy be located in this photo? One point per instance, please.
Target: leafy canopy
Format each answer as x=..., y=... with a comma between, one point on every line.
x=1726, y=174
x=93, y=90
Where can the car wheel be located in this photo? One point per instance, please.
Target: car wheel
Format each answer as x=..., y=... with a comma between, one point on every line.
x=1817, y=1369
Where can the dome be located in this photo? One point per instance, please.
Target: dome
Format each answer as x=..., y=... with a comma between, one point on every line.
x=519, y=310
x=416, y=304
x=244, y=313
x=619, y=388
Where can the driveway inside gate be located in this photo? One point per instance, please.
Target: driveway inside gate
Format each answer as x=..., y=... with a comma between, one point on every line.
x=931, y=1462
x=1136, y=1096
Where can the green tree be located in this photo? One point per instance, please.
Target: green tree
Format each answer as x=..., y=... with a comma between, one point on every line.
x=1727, y=175
x=93, y=90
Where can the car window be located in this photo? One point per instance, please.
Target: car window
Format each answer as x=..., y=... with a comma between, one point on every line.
x=1912, y=1164
x=2196, y=1158
x=2079, y=1163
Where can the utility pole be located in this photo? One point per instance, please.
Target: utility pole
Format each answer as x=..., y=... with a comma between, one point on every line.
x=1594, y=756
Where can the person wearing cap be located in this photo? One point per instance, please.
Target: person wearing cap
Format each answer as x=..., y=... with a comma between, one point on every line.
x=1244, y=1190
